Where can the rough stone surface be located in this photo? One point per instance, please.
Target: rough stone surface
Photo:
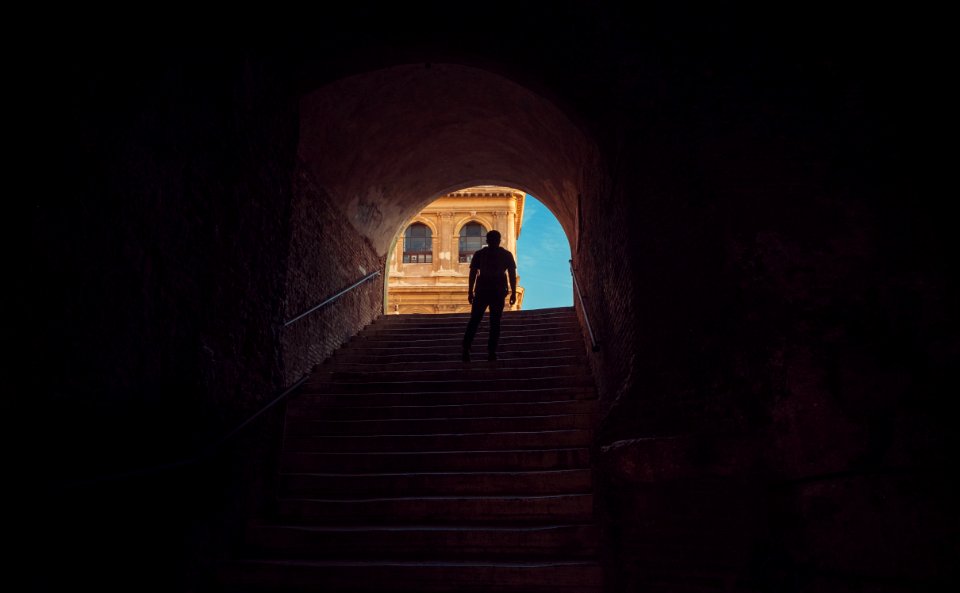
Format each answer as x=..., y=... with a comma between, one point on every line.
x=886, y=526
x=163, y=242
x=387, y=143
x=326, y=256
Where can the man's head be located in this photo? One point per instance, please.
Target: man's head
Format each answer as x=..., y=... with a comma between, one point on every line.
x=493, y=238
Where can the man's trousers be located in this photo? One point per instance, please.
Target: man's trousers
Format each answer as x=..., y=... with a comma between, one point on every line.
x=482, y=300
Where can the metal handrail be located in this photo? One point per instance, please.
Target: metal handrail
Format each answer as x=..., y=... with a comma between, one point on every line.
x=594, y=344
x=331, y=299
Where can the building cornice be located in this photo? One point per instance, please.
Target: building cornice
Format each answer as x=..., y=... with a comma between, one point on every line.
x=492, y=191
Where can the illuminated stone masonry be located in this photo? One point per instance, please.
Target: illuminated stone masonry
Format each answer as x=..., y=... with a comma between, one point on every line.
x=430, y=263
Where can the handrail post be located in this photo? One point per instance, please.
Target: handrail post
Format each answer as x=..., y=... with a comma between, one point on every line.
x=594, y=344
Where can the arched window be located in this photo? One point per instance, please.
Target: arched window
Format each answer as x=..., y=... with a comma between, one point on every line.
x=418, y=244
x=472, y=237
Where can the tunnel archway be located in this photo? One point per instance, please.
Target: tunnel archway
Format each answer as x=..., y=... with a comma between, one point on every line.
x=386, y=143
x=375, y=148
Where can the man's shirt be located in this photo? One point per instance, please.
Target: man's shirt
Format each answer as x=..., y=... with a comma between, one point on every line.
x=493, y=263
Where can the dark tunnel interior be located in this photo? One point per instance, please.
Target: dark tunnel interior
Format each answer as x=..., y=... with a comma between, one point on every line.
x=758, y=230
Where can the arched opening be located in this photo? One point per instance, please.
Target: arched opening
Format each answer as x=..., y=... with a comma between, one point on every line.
x=543, y=256
x=459, y=222
x=471, y=240
x=376, y=148
x=418, y=244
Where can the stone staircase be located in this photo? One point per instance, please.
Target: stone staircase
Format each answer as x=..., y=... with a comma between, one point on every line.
x=406, y=470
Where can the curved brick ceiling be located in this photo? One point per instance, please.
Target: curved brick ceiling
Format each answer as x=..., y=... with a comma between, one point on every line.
x=386, y=143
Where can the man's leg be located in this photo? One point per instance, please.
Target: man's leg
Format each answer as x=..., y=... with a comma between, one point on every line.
x=496, y=312
x=476, y=314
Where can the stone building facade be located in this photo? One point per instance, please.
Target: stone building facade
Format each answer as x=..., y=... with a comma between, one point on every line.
x=430, y=263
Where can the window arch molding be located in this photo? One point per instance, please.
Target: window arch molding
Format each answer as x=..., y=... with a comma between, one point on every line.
x=464, y=221
x=421, y=220
x=411, y=254
x=475, y=242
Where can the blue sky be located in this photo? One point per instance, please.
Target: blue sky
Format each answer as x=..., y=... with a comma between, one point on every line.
x=543, y=255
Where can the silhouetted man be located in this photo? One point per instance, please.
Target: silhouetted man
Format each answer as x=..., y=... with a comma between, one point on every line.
x=487, y=269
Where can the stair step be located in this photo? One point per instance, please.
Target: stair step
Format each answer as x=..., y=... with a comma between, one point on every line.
x=317, y=384
x=440, y=509
x=464, y=372
x=527, y=316
x=422, y=398
x=456, y=340
x=554, y=439
x=451, y=363
x=366, y=348
x=423, y=426
x=507, y=332
x=451, y=483
x=429, y=541
x=405, y=470
x=392, y=356
x=456, y=327
x=302, y=408
x=414, y=576
x=436, y=461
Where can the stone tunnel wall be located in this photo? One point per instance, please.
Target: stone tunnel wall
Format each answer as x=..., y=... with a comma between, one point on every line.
x=163, y=239
x=326, y=256
x=164, y=247
x=772, y=372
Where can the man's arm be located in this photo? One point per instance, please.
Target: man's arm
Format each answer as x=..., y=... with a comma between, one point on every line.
x=472, y=281
x=512, y=273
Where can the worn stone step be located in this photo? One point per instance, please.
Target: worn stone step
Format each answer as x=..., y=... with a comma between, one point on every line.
x=423, y=426
x=506, y=334
x=436, y=461
x=321, y=385
x=457, y=330
x=302, y=408
x=338, y=397
x=396, y=452
x=478, y=350
x=553, y=439
x=568, y=541
x=556, y=320
x=368, y=348
x=456, y=339
x=412, y=576
x=526, y=315
x=465, y=372
x=450, y=362
x=461, y=321
x=498, y=509
x=522, y=314
x=452, y=483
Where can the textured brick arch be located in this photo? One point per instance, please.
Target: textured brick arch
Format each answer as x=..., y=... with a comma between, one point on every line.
x=384, y=144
